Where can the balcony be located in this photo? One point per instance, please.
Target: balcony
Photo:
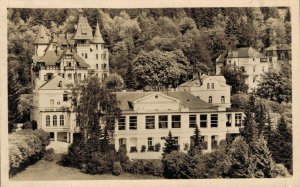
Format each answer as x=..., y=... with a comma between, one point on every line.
x=69, y=68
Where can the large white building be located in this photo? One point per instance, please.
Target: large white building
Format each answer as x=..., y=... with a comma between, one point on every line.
x=147, y=118
x=252, y=63
x=59, y=61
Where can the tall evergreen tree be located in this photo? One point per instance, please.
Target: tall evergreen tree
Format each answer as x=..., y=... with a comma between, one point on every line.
x=281, y=144
x=13, y=99
x=196, y=146
x=170, y=144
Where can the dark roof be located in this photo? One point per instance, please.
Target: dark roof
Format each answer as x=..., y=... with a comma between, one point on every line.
x=245, y=52
x=42, y=37
x=52, y=58
x=97, y=36
x=221, y=58
x=187, y=100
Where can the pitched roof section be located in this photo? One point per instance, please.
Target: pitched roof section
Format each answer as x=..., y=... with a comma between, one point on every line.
x=84, y=30
x=97, y=36
x=244, y=52
x=279, y=47
x=42, y=37
x=52, y=58
x=186, y=99
x=196, y=82
x=57, y=83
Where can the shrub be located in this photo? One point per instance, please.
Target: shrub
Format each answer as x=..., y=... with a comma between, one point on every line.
x=117, y=169
x=146, y=167
x=133, y=149
x=177, y=165
x=34, y=124
x=143, y=148
x=278, y=170
x=49, y=154
x=25, y=148
x=157, y=147
x=150, y=148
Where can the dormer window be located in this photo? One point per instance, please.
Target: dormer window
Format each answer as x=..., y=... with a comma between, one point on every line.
x=60, y=84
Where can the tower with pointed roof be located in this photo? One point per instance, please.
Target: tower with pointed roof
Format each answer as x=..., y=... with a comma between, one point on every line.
x=58, y=61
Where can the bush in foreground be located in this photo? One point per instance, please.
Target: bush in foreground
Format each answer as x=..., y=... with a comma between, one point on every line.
x=145, y=167
x=25, y=148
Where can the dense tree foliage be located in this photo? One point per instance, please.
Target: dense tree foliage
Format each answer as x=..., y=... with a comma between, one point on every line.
x=235, y=77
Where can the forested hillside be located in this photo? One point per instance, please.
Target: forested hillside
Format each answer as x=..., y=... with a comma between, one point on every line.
x=171, y=42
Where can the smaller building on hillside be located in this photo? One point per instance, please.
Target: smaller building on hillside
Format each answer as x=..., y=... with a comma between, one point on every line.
x=278, y=54
x=147, y=118
x=252, y=63
x=211, y=89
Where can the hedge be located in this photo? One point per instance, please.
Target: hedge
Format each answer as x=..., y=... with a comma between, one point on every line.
x=25, y=148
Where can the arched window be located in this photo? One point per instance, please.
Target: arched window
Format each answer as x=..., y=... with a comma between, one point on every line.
x=61, y=120
x=54, y=120
x=51, y=103
x=208, y=86
x=47, y=120
x=210, y=99
x=223, y=99
x=212, y=86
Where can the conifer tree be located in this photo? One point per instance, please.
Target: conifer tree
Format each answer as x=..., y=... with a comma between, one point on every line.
x=169, y=145
x=281, y=144
x=197, y=145
x=13, y=99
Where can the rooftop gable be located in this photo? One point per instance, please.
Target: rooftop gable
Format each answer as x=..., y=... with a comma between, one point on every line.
x=42, y=37
x=84, y=30
x=57, y=83
x=97, y=36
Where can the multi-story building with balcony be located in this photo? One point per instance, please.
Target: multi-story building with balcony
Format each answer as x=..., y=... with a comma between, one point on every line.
x=60, y=60
x=147, y=118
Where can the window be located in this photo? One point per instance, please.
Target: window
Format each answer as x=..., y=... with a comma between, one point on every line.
x=270, y=59
x=229, y=120
x=96, y=56
x=51, y=103
x=203, y=120
x=210, y=99
x=79, y=76
x=150, y=141
x=253, y=68
x=253, y=59
x=214, y=142
x=163, y=122
x=176, y=121
x=238, y=120
x=122, y=123
x=176, y=140
x=204, y=142
x=54, y=120
x=58, y=103
x=96, y=46
x=193, y=121
x=60, y=84
x=150, y=122
x=65, y=97
x=212, y=86
x=85, y=55
x=243, y=68
x=214, y=120
x=70, y=76
x=104, y=56
x=104, y=66
x=97, y=66
x=104, y=76
x=223, y=99
x=84, y=76
x=47, y=120
x=122, y=141
x=263, y=69
x=132, y=122
x=61, y=120
x=208, y=86
x=82, y=54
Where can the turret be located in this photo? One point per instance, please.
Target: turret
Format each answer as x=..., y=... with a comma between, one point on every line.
x=41, y=41
x=97, y=36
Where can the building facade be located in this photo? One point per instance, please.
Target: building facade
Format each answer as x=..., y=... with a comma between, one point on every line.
x=147, y=118
x=59, y=61
x=252, y=63
x=211, y=89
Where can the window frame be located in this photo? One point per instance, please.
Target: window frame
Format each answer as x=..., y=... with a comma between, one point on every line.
x=54, y=120
x=122, y=124
x=210, y=99
x=61, y=120
x=132, y=124
x=192, y=122
x=238, y=118
x=48, y=119
x=163, y=122
x=150, y=122
x=150, y=141
x=202, y=121
x=214, y=120
x=176, y=122
x=223, y=99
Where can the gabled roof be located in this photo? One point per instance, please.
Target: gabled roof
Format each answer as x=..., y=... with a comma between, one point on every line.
x=245, y=52
x=42, y=37
x=53, y=58
x=84, y=30
x=195, y=82
x=97, y=36
x=279, y=47
x=186, y=99
x=221, y=58
x=54, y=83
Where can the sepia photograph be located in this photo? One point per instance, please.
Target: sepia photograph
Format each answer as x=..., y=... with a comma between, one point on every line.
x=149, y=93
